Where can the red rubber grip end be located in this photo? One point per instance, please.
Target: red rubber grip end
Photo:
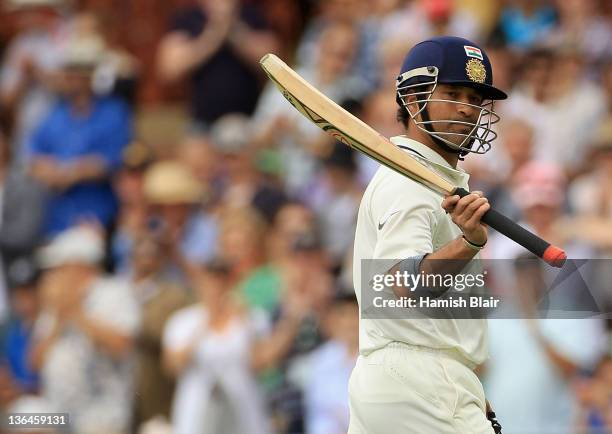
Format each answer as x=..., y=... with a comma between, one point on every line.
x=554, y=256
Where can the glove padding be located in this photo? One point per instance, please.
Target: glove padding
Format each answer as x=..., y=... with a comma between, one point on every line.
x=494, y=423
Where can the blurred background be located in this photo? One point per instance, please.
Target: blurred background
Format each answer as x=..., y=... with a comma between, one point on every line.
x=177, y=241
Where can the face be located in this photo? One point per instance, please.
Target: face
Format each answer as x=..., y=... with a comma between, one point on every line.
x=465, y=111
x=25, y=302
x=290, y=222
x=541, y=215
x=197, y=154
x=518, y=142
x=337, y=50
x=129, y=186
x=174, y=215
x=344, y=322
x=211, y=287
x=76, y=81
x=342, y=10
x=147, y=257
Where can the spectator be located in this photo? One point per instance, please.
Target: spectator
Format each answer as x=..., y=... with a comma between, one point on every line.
x=326, y=391
x=242, y=235
x=591, y=195
x=242, y=183
x=198, y=154
x=117, y=72
x=78, y=146
x=128, y=184
x=581, y=24
x=262, y=287
x=422, y=19
x=349, y=13
x=337, y=202
x=218, y=46
x=305, y=273
x=594, y=394
x=555, y=349
x=187, y=232
x=30, y=66
x=523, y=23
x=14, y=354
x=515, y=150
x=213, y=346
x=22, y=211
x=281, y=127
x=158, y=299
x=551, y=85
x=84, y=335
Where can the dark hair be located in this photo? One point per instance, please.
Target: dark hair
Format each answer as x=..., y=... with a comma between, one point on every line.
x=402, y=116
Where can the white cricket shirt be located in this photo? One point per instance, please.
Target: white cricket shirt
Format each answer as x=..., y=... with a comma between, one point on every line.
x=400, y=218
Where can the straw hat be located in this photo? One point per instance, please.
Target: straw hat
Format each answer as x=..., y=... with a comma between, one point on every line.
x=171, y=183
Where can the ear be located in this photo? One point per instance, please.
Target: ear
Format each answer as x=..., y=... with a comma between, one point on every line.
x=411, y=105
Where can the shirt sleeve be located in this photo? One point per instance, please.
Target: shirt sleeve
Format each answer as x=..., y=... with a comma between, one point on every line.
x=113, y=304
x=582, y=340
x=405, y=233
x=10, y=75
x=120, y=134
x=180, y=329
x=38, y=143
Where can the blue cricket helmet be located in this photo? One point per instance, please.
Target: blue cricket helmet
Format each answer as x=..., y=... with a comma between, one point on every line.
x=455, y=61
x=458, y=60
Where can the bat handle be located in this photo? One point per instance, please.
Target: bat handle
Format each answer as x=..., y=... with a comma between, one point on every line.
x=551, y=254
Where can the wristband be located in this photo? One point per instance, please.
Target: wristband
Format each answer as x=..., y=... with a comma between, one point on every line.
x=473, y=246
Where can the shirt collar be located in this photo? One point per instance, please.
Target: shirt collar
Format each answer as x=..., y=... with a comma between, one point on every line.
x=432, y=158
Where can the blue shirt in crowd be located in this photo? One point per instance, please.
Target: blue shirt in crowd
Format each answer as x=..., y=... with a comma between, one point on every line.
x=15, y=354
x=104, y=132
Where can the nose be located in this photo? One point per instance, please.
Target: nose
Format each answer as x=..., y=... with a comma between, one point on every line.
x=466, y=111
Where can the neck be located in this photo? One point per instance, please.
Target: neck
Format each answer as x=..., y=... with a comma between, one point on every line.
x=81, y=103
x=416, y=134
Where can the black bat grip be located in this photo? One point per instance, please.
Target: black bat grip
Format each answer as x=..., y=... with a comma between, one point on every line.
x=536, y=245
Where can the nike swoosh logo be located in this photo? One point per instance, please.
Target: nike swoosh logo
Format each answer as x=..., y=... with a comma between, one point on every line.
x=386, y=219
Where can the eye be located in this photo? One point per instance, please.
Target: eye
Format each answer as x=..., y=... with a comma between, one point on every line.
x=452, y=94
x=476, y=100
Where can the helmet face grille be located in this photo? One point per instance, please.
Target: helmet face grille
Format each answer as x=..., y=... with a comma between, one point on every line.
x=421, y=83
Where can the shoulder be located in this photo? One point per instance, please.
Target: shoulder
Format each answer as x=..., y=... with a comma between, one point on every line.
x=111, y=104
x=114, y=292
x=390, y=188
x=186, y=316
x=57, y=111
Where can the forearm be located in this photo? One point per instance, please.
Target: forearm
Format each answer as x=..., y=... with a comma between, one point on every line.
x=450, y=259
x=268, y=352
x=176, y=361
x=565, y=366
x=59, y=176
x=109, y=340
x=90, y=168
x=11, y=97
x=251, y=45
x=40, y=348
x=180, y=55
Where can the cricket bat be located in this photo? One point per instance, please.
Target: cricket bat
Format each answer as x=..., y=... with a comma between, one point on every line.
x=353, y=132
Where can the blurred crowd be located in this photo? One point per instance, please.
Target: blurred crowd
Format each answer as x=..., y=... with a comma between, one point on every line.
x=203, y=284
